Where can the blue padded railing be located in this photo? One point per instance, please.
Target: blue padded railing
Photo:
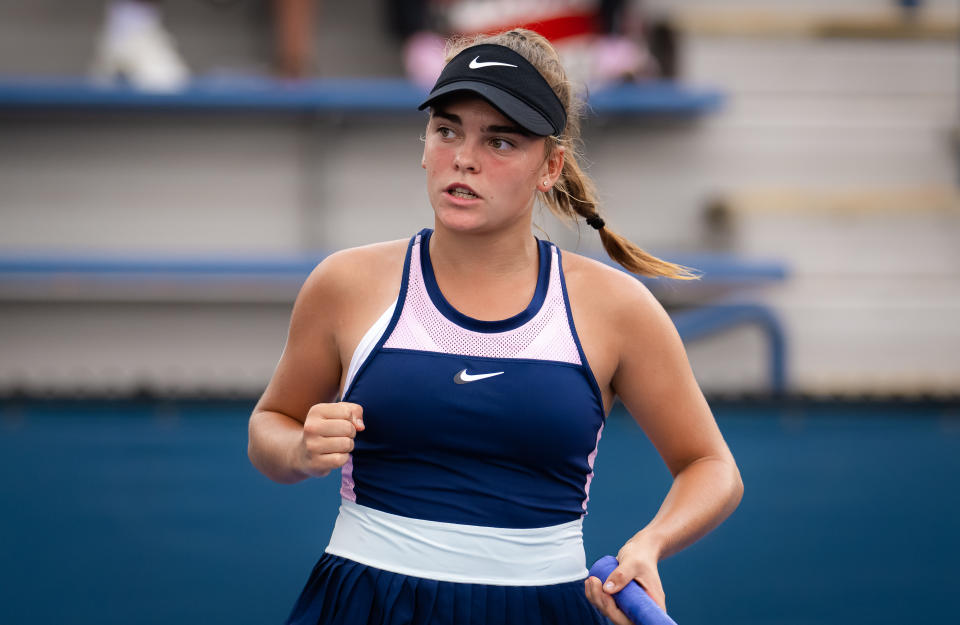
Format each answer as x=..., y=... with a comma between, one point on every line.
x=718, y=267
x=107, y=267
x=718, y=317
x=715, y=267
x=709, y=317
x=339, y=95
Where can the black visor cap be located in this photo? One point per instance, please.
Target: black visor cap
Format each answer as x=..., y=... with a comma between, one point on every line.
x=507, y=81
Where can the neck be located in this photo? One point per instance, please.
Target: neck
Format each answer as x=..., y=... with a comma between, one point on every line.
x=493, y=254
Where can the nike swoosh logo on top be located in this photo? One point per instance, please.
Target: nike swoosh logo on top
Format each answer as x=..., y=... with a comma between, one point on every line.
x=463, y=377
x=475, y=65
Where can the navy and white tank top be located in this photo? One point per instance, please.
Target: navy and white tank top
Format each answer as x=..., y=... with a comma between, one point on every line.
x=477, y=456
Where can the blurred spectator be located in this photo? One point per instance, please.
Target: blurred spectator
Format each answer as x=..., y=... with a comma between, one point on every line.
x=293, y=25
x=601, y=41
x=134, y=45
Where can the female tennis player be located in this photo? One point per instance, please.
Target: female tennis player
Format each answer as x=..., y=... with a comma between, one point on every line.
x=460, y=379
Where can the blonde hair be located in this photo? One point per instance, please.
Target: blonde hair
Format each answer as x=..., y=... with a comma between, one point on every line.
x=574, y=193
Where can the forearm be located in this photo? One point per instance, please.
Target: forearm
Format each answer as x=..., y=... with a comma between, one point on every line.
x=703, y=494
x=273, y=442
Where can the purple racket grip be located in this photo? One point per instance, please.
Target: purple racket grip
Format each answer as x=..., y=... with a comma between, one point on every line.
x=633, y=600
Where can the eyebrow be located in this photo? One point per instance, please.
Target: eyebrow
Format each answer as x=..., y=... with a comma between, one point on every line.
x=500, y=129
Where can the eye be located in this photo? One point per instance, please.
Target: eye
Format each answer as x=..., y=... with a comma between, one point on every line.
x=500, y=144
x=444, y=132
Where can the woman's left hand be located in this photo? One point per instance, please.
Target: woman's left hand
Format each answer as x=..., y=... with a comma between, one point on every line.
x=638, y=561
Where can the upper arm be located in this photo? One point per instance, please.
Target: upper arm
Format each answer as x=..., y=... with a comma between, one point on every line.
x=655, y=382
x=309, y=369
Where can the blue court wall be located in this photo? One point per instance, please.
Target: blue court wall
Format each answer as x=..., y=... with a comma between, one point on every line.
x=149, y=512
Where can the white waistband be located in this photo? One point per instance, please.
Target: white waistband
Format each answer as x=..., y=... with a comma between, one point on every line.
x=451, y=552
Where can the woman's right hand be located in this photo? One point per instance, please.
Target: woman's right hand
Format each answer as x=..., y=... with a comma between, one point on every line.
x=327, y=440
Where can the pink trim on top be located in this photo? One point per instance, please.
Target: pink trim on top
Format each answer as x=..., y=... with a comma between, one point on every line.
x=590, y=460
x=346, y=481
x=422, y=327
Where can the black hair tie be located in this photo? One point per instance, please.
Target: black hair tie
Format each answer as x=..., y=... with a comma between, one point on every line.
x=596, y=221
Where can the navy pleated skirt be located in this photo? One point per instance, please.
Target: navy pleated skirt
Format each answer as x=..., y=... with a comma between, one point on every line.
x=343, y=592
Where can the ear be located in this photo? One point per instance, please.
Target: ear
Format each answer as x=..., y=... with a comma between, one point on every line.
x=555, y=163
x=552, y=168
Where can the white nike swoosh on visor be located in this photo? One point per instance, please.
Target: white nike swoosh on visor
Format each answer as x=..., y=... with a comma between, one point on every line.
x=463, y=377
x=475, y=65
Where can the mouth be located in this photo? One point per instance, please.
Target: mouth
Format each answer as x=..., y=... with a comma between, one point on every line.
x=461, y=191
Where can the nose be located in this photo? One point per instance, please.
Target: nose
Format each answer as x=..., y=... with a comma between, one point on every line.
x=465, y=158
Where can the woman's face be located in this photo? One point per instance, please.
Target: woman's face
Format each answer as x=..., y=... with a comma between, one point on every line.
x=483, y=170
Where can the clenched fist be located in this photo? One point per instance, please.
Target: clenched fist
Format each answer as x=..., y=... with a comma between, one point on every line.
x=327, y=440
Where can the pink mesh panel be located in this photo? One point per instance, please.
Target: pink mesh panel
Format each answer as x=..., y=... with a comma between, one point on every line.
x=590, y=460
x=346, y=481
x=546, y=336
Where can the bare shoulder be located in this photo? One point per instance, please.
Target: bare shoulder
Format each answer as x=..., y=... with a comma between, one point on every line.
x=356, y=270
x=606, y=291
x=360, y=262
x=374, y=253
x=616, y=316
x=641, y=358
